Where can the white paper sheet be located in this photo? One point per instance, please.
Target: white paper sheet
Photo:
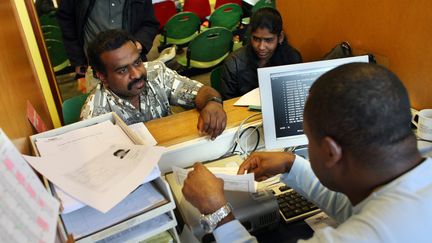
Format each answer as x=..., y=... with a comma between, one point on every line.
x=252, y=98
x=144, y=133
x=320, y=220
x=71, y=204
x=87, y=220
x=28, y=212
x=86, y=143
x=232, y=181
x=138, y=232
x=83, y=143
x=104, y=180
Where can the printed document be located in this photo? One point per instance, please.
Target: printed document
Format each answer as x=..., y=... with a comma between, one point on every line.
x=232, y=181
x=252, y=98
x=84, y=140
x=87, y=220
x=103, y=180
x=28, y=212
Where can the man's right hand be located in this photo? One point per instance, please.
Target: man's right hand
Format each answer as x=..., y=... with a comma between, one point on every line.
x=81, y=70
x=267, y=164
x=204, y=190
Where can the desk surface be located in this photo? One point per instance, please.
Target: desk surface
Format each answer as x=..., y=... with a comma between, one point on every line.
x=182, y=127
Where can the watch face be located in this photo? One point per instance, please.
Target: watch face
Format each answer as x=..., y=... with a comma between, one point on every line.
x=206, y=225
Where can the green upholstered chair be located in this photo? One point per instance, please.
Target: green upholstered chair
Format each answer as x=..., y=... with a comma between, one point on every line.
x=54, y=41
x=263, y=4
x=180, y=29
x=215, y=78
x=71, y=108
x=227, y=15
x=207, y=49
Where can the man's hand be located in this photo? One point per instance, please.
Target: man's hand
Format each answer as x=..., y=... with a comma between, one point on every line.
x=204, y=190
x=267, y=164
x=212, y=119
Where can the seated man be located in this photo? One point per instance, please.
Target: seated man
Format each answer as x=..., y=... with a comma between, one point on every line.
x=268, y=47
x=140, y=92
x=365, y=170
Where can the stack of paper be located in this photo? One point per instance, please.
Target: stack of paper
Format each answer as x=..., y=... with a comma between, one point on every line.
x=98, y=165
x=87, y=220
x=28, y=212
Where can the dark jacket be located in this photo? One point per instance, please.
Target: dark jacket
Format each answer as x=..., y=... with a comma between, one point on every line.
x=239, y=72
x=138, y=19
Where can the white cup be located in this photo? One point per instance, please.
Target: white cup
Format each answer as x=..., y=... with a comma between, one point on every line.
x=424, y=124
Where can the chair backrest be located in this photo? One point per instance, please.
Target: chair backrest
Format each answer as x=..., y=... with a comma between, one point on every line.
x=210, y=47
x=222, y=2
x=215, y=78
x=181, y=28
x=164, y=11
x=54, y=41
x=227, y=15
x=71, y=108
x=200, y=7
x=263, y=4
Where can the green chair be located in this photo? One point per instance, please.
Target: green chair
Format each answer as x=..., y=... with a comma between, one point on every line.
x=215, y=78
x=71, y=108
x=263, y=4
x=208, y=49
x=227, y=15
x=54, y=41
x=180, y=29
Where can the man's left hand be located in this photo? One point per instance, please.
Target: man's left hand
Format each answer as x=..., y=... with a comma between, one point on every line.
x=212, y=120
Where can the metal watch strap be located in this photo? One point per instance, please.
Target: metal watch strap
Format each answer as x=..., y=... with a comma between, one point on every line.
x=209, y=222
x=215, y=99
x=221, y=213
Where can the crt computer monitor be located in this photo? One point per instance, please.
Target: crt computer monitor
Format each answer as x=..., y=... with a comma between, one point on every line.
x=283, y=91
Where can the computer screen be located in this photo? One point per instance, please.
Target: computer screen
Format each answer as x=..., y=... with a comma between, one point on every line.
x=283, y=91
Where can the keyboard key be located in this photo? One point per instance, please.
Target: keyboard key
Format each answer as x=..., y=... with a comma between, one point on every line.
x=293, y=206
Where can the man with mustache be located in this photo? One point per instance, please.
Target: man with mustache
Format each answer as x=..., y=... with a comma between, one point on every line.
x=141, y=91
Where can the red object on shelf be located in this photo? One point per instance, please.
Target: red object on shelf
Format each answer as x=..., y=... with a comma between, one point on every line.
x=222, y=2
x=200, y=7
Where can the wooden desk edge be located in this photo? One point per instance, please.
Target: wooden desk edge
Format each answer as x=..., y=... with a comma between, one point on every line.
x=182, y=126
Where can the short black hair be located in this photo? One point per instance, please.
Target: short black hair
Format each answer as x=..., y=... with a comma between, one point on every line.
x=106, y=41
x=267, y=18
x=363, y=107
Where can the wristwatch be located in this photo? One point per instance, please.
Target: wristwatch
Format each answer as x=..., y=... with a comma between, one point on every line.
x=209, y=222
x=215, y=99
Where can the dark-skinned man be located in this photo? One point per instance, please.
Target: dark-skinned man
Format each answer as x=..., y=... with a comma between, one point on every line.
x=141, y=91
x=365, y=170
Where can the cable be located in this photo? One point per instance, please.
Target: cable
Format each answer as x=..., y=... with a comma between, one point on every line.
x=235, y=143
x=247, y=152
x=243, y=143
x=237, y=140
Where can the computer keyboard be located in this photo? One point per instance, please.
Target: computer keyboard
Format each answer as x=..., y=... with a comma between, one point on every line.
x=292, y=205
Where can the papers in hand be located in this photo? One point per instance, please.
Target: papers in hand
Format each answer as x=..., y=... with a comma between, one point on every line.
x=232, y=181
x=28, y=211
x=321, y=220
